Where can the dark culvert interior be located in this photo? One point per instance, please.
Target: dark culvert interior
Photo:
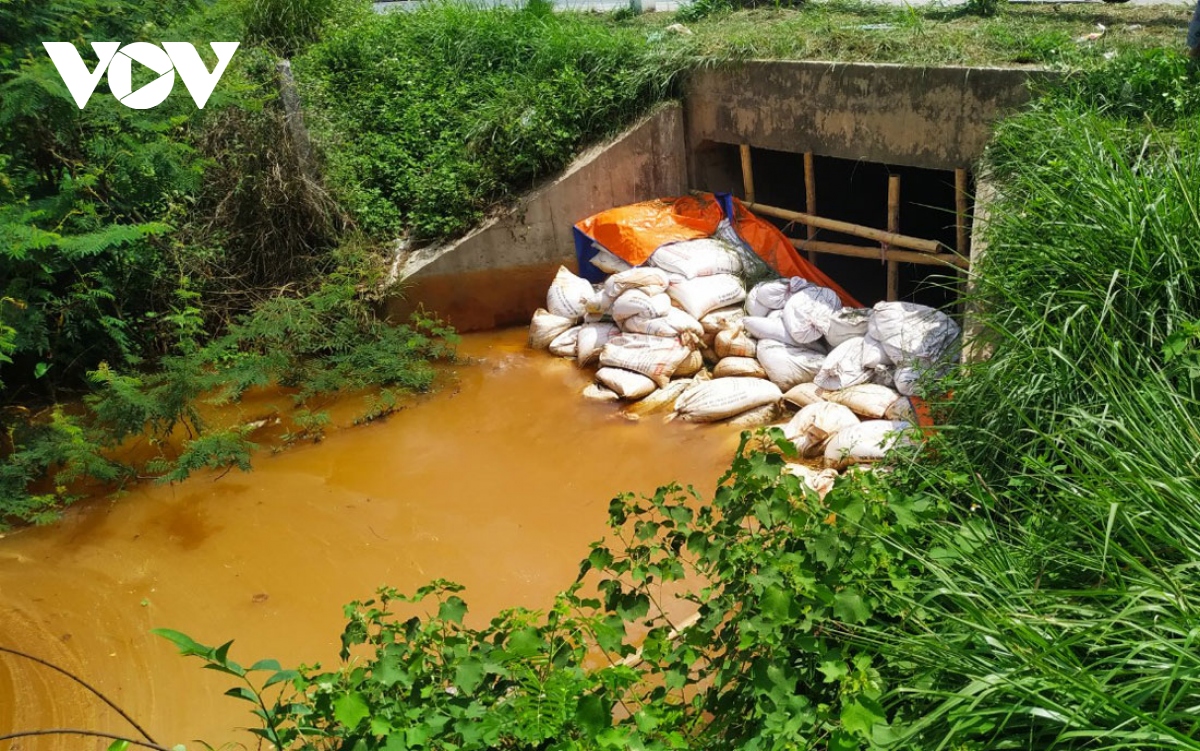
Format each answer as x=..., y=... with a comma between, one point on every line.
x=850, y=191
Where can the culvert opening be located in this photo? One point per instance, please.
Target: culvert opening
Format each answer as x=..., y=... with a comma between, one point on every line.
x=927, y=205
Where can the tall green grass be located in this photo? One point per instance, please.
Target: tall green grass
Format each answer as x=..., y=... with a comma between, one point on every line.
x=1060, y=603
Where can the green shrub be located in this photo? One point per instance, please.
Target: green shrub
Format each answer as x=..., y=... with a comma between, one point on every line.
x=430, y=117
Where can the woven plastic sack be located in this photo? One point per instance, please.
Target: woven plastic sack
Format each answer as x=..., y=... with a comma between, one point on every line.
x=591, y=339
x=769, y=327
x=807, y=313
x=788, y=365
x=865, y=443
x=704, y=294
x=564, y=344
x=739, y=367
x=803, y=394
x=733, y=341
x=693, y=258
x=852, y=362
x=772, y=295
x=635, y=302
x=674, y=322
x=725, y=397
x=569, y=295
x=867, y=399
x=625, y=384
x=847, y=323
x=608, y=262
x=813, y=425
x=655, y=357
x=648, y=280
x=545, y=326
x=912, y=334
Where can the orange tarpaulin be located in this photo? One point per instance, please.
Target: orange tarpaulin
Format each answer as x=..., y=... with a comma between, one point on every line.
x=773, y=247
x=634, y=232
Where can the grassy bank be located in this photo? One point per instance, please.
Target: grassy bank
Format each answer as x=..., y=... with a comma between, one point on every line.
x=1024, y=581
x=1019, y=35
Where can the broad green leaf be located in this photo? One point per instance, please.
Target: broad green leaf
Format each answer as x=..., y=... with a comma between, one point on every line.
x=266, y=665
x=524, y=642
x=118, y=746
x=350, y=710
x=860, y=716
x=593, y=714
x=848, y=606
x=453, y=610
x=469, y=674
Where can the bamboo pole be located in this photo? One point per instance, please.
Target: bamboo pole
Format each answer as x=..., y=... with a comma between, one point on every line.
x=866, y=251
x=893, y=225
x=870, y=233
x=960, y=221
x=810, y=199
x=960, y=211
x=747, y=173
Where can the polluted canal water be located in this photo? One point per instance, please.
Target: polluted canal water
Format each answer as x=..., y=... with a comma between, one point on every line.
x=498, y=481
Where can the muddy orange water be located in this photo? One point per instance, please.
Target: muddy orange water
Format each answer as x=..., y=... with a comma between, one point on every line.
x=499, y=482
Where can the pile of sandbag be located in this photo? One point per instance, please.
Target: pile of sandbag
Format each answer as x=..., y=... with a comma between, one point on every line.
x=682, y=333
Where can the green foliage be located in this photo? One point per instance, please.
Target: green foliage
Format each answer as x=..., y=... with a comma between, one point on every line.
x=430, y=117
x=286, y=26
x=1158, y=85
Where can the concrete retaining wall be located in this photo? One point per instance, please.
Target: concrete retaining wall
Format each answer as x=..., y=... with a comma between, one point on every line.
x=498, y=274
x=937, y=118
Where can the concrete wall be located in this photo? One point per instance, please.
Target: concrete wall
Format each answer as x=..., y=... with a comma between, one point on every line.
x=937, y=118
x=498, y=274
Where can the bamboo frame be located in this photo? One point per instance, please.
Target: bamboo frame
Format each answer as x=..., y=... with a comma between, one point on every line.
x=893, y=225
x=866, y=251
x=747, y=173
x=960, y=211
x=810, y=199
x=857, y=230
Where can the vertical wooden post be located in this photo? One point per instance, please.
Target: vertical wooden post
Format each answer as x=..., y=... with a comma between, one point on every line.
x=747, y=173
x=810, y=198
x=893, y=225
x=961, y=241
x=960, y=211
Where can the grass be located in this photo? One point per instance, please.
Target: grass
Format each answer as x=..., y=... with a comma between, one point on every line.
x=1022, y=35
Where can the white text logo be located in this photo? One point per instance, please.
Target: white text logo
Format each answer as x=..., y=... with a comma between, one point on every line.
x=118, y=61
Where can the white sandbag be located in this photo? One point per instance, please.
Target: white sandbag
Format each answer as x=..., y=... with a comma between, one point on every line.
x=594, y=392
x=864, y=443
x=866, y=399
x=820, y=481
x=722, y=318
x=803, y=394
x=725, y=397
x=854, y=361
x=691, y=365
x=564, y=344
x=635, y=302
x=608, y=262
x=624, y=383
x=692, y=258
x=902, y=409
x=813, y=425
x=755, y=418
x=739, y=367
x=906, y=379
x=733, y=341
x=847, y=323
x=703, y=294
x=912, y=334
x=807, y=312
x=545, y=326
x=769, y=327
x=772, y=295
x=569, y=295
x=591, y=339
x=662, y=400
x=788, y=365
x=648, y=280
x=673, y=323
x=653, y=356
x=753, y=266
